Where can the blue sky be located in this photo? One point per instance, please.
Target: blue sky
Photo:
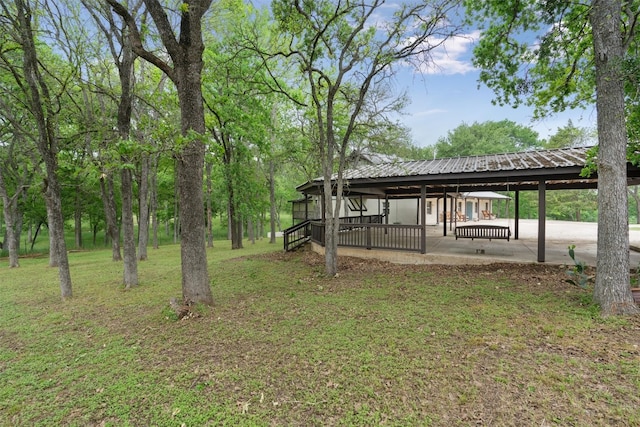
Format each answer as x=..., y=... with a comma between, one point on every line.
x=445, y=96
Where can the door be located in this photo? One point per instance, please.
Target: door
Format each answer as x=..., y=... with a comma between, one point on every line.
x=469, y=210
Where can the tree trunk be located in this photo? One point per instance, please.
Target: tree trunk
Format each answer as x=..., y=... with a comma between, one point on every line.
x=612, y=288
x=125, y=106
x=130, y=276
x=47, y=143
x=110, y=214
x=53, y=243
x=9, y=208
x=229, y=224
x=176, y=207
x=185, y=70
x=195, y=275
x=153, y=202
x=56, y=227
x=209, y=167
x=77, y=219
x=272, y=201
x=251, y=233
x=236, y=224
x=143, y=207
x=19, y=223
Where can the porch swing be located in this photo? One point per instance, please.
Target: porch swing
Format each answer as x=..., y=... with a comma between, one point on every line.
x=481, y=231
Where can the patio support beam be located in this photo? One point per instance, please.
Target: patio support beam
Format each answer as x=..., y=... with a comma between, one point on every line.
x=423, y=219
x=444, y=212
x=516, y=225
x=542, y=219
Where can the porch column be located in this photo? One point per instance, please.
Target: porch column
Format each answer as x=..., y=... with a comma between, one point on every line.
x=542, y=214
x=517, y=216
x=423, y=219
x=444, y=213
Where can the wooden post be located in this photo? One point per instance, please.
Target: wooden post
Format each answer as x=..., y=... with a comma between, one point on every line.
x=444, y=213
x=517, y=216
x=542, y=213
x=423, y=219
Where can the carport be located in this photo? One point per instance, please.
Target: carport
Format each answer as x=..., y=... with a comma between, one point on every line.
x=540, y=170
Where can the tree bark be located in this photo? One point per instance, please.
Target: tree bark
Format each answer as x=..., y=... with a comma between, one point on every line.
x=109, y=205
x=251, y=232
x=208, y=171
x=130, y=275
x=176, y=206
x=612, y=288
x=143, y=207
x=153, y=199
x=125, y=105
x=47, y=143
x=272, y=201
x=9, y=208
x=185, y=70
x=77, y=219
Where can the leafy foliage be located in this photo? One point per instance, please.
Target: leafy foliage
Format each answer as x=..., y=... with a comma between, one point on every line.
x=577, y=274
x=487, y=138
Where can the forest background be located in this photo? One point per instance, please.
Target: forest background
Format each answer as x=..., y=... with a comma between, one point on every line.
x=252, y=168
x=116, y=113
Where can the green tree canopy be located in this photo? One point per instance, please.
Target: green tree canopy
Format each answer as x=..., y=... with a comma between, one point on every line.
x=487, y=138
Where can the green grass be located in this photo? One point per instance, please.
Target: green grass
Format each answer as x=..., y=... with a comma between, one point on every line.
x=284, y=345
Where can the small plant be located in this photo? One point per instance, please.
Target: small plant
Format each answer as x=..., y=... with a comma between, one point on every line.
x=635, y=277
x=577, y=275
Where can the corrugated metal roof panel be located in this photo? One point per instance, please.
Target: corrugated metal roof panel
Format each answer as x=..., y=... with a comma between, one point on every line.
x=526, y=160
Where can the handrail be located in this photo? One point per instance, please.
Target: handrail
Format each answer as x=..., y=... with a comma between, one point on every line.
x=373, y=235
x=297, y=235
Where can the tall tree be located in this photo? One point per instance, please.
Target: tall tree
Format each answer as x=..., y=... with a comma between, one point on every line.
x=185, y=71
x=343, y=50
x=45, y=117
x=119, y=42
x=578, y=47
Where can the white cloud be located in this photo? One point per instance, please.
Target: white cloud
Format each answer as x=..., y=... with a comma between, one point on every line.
x=450, y=56
x=430, y=112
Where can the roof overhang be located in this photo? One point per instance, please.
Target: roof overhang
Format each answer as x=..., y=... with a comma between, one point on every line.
x=559, y=169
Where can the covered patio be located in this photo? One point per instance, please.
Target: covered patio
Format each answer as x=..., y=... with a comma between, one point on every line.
x=439, y=179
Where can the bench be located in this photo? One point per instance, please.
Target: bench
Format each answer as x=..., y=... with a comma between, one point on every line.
x=483, y=232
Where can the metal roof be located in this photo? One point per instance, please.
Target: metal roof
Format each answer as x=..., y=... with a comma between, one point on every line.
x=559, y=168
x=527, y=160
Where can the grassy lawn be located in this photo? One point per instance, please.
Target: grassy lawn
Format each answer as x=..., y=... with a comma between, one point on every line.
x=284, y=345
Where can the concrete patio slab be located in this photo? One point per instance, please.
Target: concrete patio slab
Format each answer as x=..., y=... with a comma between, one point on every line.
x=447, y=250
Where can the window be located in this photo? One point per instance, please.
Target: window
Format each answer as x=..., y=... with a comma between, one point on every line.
x=429, y=206
x=356, y=205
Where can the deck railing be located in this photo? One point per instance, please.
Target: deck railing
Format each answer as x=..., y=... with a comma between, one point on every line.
x=374, y=236
x=296, y=236
x=359, y=232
